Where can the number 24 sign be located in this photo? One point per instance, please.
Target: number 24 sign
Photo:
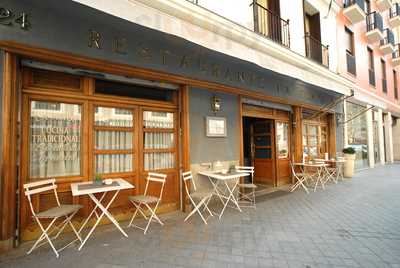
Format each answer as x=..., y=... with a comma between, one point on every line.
x=8, y=18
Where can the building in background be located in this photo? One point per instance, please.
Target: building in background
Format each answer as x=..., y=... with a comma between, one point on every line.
x=173, y=85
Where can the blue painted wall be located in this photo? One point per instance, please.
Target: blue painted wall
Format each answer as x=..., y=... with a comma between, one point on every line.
x=210, y=149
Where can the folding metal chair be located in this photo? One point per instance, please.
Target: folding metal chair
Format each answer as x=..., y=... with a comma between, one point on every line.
x=202, y=197
x=300, y=177
x=147, y=200
x=66, y=212
x=247, y=199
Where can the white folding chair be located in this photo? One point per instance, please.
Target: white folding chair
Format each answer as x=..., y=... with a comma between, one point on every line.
x=247, y=199
x=201, y=197
x=147, y=200
x=66, y=212
x=301, y=178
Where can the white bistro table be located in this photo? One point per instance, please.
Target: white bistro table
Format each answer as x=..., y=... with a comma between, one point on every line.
x=320, y=174
x=339, y=167
x=88, y=188
x=220, y=181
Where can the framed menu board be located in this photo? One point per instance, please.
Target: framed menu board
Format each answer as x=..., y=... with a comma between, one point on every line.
x=215, y=126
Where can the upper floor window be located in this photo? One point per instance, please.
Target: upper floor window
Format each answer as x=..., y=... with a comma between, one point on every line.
x=384, y=85
x=371, y=67
x=350, y=55
x=370, y=59
x=349, y=41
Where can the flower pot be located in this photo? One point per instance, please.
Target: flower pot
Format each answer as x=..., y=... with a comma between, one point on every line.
x=97, y=182
x=349, y=165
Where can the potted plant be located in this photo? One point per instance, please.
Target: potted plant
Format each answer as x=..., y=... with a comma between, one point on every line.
x=349, y=156
x=98, y=180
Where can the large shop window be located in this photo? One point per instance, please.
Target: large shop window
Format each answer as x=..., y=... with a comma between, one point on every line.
x=55, y=139
x=159, y=140
x=357, y=134
x=113, y=140
x=315, y=140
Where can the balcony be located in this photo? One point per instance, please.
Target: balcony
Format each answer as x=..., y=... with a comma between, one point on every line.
x=316, y=51
x=383, y=5
x=396, y=56
x=351, y=64
x=387, y=43
x=271, y=25
x=394, y=16
x=354, y=10
x=374, y=27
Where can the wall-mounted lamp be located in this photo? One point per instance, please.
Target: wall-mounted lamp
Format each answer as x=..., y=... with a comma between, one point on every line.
x=215, y=104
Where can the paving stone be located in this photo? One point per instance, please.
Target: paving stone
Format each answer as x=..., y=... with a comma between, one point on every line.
x=354, y=223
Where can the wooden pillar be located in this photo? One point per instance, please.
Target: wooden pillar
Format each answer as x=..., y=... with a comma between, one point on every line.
x=332, y=135
x=297, y=134
x=185, y=138
x=8, y=159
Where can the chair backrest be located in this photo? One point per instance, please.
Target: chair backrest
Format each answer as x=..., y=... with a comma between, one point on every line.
x=295, y=173
x=40, y=187
x=246, y=169
x=187, y=178
x=156, y=178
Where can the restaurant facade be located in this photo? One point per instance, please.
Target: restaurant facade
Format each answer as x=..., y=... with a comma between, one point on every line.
x=87, y=93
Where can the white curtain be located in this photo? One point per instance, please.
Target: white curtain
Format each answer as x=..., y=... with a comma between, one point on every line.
x=55, y=133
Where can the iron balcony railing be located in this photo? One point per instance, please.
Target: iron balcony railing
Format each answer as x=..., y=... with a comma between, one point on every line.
x=396, y=53
x=374, y=21
x=316, y=51
x=351, y=63
x=388, y=37
x=371, y=77
x=395, y=10
x=384, y=85
x=348, y=3
x=271, y=25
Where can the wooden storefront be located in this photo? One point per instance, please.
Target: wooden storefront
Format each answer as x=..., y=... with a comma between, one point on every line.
x=33, y=95
x=74, y=127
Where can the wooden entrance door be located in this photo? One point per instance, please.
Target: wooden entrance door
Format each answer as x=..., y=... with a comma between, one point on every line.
x=263, y=151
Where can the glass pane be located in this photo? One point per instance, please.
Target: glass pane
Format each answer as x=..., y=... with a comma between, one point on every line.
x=263, y=153
x=312, y=130
x=113, y=117
x=158, y=140
x=312, y=141
x=113, y=163
x=158, y=119
x=262, y=140
x=282, y=143
x=312, y=151
x=154, y=161
x=113, y=140
x=55, y=136
x=357, y=134
x=261, y=128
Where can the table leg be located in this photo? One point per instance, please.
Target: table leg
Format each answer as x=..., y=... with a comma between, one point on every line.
x=231, y=197
x=91, y=213
x=104, y=212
